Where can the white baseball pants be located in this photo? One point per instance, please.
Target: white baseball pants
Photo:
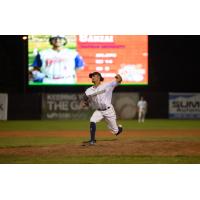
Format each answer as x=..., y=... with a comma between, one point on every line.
x=109, y=116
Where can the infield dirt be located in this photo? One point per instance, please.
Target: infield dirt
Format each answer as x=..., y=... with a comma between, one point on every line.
x=151, y=143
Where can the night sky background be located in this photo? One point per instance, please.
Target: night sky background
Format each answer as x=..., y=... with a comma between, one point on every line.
x=174, y=66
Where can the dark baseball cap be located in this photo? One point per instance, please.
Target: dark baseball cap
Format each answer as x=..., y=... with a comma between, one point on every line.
x=58, y=36
x=96, y=73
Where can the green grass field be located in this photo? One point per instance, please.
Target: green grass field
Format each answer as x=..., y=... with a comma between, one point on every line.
x=100, y=160
x=35, y=142
x=64, y=125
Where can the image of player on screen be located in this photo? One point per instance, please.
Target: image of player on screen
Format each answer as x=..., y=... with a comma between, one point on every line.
x=56, y=65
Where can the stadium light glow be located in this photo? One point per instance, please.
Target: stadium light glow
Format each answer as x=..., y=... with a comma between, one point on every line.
x=24, y=38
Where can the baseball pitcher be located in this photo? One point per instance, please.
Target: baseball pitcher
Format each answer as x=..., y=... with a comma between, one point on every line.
x=99, y=97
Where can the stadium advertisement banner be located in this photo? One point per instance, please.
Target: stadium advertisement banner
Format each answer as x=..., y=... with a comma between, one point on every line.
x=63, y=106
x=184, y=105
x=67, y=106
x=3, y=106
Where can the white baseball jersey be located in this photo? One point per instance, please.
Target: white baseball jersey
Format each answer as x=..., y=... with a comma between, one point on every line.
x=142, y=105
x=59, y=65
x=100, y=99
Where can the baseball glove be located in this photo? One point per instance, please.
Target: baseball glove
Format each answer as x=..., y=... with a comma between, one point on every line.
x=84, y=101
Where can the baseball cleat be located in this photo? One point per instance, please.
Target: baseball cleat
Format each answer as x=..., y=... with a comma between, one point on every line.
x=89, y=143
x=92, y=142
x=120, y=129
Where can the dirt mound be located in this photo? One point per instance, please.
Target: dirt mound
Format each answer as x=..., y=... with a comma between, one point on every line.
x=152, y=148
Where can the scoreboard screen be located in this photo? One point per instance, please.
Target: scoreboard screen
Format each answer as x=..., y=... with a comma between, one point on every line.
x=69, y=59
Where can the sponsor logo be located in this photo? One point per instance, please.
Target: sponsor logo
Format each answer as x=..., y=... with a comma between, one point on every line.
x=193, y=106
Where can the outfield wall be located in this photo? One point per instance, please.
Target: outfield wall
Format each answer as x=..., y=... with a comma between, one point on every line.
x=24, y=106
x=31, y=106
x=3, y=106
